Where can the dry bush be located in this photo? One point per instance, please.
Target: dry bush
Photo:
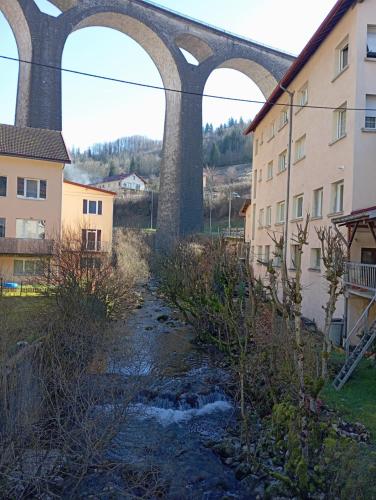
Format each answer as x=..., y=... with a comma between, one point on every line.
x=132, y=255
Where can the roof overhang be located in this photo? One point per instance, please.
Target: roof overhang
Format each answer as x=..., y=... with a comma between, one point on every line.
x=243, y=210
x=357, y=217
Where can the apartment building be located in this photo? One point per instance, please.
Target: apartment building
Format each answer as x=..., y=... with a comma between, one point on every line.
x=36, y=205
x=332, y=84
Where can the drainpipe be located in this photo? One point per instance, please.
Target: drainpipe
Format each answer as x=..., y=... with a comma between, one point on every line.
x=289, y=156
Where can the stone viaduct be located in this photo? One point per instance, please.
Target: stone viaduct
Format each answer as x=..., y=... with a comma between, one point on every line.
x=162, y=33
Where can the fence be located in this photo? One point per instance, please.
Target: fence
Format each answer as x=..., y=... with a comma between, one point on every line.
x=19, y=289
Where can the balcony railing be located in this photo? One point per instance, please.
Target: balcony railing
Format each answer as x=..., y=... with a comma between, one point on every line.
x=360, y=275
x=20, y=246
x=95, y=246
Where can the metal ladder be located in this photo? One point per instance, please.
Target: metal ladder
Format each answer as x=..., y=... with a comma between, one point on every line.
x=353, y=360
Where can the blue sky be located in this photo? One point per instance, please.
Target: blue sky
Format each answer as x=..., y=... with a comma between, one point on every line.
x=95, y=110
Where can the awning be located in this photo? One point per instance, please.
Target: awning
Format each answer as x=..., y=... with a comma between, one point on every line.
x=358, y=216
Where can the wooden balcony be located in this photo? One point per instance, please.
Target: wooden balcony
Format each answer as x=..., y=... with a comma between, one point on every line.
x=20, y=246
x=360, y=277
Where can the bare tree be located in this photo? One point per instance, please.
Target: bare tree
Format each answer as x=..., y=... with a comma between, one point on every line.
x=333, y=258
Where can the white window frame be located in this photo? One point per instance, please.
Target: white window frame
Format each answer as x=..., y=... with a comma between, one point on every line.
x=98, y=203
x=370, y=113
x=6, y=186
x=3, y=227
x=340, y=122
x=342, y=61
x=316, y=258
x=268, y=216
x=267, y=254
x=317, y=205
x=371, y=30
x=271, y=130
x=284, y=117
x=35, y=263
x=25, y=181
x=261, y=218
x=26, y=236
x=300, y=148
x=294, y=255
x=303, y=96
x=298, y=207
x=283, y=156
x=280, y=213
x=338, y=189
x=269, y=171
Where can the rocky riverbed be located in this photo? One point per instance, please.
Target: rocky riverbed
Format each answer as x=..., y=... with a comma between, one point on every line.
x=179, y=435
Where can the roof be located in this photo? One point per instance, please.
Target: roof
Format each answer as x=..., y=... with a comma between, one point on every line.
x=326, y=27
x=245, y=206
x=363, y=215
x=119, y=177
x=87, y=186
x=33, y=143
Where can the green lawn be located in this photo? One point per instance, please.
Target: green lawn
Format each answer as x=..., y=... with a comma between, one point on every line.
x=23, y=318
x=356, y=401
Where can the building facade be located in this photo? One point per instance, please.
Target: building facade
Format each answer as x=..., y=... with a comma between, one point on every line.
x=36, y=205
x=332, y=85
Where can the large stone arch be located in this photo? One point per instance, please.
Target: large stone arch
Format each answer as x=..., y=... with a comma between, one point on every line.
x=21, y=31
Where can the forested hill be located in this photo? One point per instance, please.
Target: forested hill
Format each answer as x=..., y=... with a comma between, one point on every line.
x=222, y=146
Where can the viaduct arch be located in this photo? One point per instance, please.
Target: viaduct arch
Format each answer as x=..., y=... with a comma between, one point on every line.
x=162, y=33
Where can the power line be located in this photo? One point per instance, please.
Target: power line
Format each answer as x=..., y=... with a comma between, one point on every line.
x=177, y=91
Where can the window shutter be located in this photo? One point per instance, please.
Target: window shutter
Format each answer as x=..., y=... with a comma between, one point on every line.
x=85, y=206
x=20, y=186
x=99, y=207
x=99, y=239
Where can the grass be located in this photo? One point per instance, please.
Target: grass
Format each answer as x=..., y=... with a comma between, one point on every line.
x=356, y=401
x=23, y=318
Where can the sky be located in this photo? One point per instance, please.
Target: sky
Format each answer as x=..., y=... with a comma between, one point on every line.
x=96, y=111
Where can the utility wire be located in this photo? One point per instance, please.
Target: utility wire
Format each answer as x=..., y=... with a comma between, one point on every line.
x=177, y=91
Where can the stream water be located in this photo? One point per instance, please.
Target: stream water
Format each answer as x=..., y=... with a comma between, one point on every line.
x=178, y=407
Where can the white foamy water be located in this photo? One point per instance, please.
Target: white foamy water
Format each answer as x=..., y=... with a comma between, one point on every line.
x=168, y=416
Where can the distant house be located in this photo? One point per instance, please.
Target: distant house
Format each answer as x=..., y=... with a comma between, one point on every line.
x=123, y=181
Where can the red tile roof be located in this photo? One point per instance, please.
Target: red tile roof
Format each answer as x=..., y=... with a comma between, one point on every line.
x=89, y=187
x=326, y=27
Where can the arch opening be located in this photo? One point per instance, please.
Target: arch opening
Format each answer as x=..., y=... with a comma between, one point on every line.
x=193, y=45
x=99, y=111
x=190, y=58
x=15, y=42
x=48, y=7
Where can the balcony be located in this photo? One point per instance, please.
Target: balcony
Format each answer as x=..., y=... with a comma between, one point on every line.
x=20, y=246
x=360, y=277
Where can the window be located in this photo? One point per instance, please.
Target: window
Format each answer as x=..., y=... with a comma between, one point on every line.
x=298, y=206
x=300, y=148
x=254, y=184
x=256, y=146
x=90, y=263
x=30, y=229
x=262, y=138
x=271, y=131
x=284, y=118
x=280, y=212
x=342, y=56
x=337, y=196
x=317, y=202
x=27, y=267
x=31, y=188
x=371, y=41
x=92, y=207
x=303, y=95
x=253, y=221
x=268, y=218
x=259, y=253
x=267, y=253
x=260, y=175
x=261, y=218
x=3, y=185
x=282, y=161
x=269, y=171
x=370, y=120
x=295, y=256
x=252, y=255
x=92, y=239
x=316, y=258
x=2, y=227
x=277, y=257
x=340, y=122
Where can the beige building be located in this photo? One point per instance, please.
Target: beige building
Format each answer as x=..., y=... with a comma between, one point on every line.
x=91, y=210
x=333, y=149
x=36, y=205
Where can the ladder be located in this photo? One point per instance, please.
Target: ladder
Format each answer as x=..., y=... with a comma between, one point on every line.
x=355, y=358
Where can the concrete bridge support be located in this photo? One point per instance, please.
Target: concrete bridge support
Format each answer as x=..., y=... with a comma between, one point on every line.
x=162, y=33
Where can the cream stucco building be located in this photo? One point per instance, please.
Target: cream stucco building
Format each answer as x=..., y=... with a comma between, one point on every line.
x=37, y=206
x=333, y=149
